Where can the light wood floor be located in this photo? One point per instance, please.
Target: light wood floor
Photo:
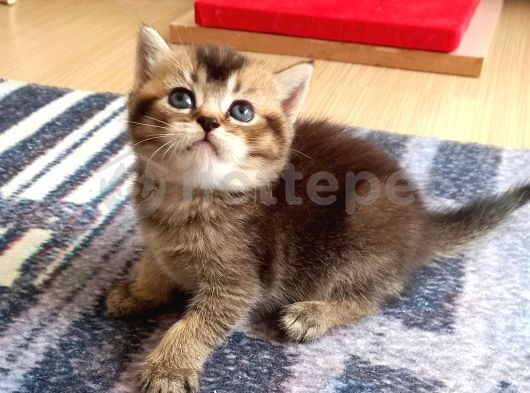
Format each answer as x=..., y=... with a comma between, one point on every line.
x=90, y=45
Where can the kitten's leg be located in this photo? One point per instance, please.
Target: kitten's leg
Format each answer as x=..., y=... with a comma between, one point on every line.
x=150, y=288
x=176, y=363
x=304, y=321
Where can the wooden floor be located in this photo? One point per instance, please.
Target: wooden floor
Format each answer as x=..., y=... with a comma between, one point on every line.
x=90, y=45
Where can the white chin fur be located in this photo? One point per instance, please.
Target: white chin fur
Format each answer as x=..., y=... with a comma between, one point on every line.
x=208, y=172
x=203, y=168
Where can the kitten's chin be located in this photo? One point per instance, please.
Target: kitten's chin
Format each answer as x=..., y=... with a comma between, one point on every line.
x=211, y=173
x=206, y=165
x=203, y=147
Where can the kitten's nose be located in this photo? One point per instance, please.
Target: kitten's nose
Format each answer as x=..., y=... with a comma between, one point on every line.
x=208, y=123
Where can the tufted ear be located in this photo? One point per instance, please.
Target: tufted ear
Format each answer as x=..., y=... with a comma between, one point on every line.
x=150, y=50
x=292, y=86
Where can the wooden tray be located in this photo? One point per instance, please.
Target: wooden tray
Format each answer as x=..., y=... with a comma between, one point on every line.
x=467, y=60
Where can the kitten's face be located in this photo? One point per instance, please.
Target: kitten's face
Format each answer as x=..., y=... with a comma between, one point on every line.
x=210, y=117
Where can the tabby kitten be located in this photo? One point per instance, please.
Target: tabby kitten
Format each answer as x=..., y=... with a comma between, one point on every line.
x=246, y=208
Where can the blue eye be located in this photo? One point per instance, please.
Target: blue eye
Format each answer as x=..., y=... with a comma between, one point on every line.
x=181, y=98
x=242, y=111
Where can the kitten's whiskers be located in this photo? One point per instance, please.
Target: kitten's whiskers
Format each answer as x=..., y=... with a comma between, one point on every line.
x=158, y=120
x=299, y=152
x=158, y=136
x=156, y=151
x=148, y=125
x=168, y=149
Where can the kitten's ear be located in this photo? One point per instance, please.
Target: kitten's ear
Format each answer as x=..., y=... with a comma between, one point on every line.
x=293, y=84
x=151, y=49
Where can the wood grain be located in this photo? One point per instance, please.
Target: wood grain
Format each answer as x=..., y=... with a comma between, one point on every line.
x=467, y=60
x=90, y=45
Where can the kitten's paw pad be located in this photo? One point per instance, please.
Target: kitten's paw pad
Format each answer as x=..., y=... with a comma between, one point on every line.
x=158, y=379
x=121, y=302
x=304, y=321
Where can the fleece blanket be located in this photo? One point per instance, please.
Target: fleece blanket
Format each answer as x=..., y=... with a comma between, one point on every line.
x=68, y=233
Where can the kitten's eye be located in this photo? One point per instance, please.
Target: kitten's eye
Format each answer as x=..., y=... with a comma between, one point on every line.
x=242, y=111
x=182, y=98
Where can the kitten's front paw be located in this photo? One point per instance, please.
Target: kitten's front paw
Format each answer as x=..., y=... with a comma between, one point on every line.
x=304, y=321
x=162, y=377
x=121, y=301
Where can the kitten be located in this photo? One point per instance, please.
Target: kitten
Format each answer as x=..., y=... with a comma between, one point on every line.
x=246, y=208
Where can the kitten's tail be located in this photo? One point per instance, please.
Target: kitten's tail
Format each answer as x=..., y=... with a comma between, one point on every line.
x=450, y=232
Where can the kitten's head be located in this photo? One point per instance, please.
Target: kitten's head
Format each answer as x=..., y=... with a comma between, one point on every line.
x=211, y=117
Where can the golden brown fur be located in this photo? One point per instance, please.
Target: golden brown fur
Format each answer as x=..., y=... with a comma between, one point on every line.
x=320, y=253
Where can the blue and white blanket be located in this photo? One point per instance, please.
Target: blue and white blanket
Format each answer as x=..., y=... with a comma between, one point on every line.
x=67, y=233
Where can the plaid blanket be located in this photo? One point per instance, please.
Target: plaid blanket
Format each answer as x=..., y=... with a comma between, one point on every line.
x=67, y=233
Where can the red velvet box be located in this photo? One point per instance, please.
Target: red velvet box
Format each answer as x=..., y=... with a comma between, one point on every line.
x=436, y=25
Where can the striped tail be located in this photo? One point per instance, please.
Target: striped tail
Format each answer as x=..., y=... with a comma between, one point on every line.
x=450, y=232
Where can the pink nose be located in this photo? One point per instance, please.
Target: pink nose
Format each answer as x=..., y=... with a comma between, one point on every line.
x=208, y=123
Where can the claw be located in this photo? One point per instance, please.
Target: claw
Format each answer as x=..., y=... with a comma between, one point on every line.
x=188, y=387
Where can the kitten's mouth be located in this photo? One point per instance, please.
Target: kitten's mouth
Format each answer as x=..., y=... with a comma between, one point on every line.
x=203, y=145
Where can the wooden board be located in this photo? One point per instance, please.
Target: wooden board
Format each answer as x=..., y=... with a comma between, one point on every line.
x=467, y=60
